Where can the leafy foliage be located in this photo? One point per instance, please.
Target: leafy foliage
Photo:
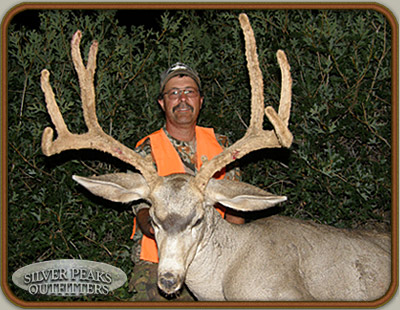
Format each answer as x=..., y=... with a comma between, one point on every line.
x=337, y=172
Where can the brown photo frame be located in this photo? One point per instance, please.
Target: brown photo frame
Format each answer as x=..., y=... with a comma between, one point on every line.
x=165, y=6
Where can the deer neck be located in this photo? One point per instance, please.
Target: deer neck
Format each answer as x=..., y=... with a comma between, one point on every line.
x=205, y=273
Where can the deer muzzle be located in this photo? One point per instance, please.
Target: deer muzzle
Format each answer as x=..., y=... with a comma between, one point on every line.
x=169, y=283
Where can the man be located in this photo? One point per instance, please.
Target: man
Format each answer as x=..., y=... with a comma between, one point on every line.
x=180, y=146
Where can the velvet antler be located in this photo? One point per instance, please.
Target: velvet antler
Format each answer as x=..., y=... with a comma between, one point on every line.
x=95, y=137
x=256, y=138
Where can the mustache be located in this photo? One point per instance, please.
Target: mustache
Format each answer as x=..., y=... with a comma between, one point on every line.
x=182, y=105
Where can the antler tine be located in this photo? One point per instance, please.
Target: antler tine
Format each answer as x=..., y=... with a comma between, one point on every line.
x=256, y=138
x=86, y=80
x=95, y=138
x=255, y=74
x=286, y=88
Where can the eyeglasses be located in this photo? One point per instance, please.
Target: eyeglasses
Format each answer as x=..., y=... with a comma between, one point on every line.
x=175, y=93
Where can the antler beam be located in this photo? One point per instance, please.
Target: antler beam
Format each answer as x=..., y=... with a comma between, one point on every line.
x=256, y=138
x=94, y=138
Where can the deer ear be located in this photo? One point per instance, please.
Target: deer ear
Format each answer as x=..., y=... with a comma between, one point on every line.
x=240, y=196
x=118, y=187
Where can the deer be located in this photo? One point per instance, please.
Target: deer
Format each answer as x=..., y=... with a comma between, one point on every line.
x=275, y=258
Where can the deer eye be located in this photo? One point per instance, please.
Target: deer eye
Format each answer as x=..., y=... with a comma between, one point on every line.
x=198, y=222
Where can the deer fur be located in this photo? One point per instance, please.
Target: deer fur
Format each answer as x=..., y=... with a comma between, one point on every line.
x=277, y=258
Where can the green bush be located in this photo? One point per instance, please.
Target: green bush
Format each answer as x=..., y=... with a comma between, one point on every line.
x=337, y=172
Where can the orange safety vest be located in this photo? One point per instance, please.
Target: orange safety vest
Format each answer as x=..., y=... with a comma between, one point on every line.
x=168, y=162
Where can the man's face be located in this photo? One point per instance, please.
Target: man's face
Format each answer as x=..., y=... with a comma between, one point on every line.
x=181, y=108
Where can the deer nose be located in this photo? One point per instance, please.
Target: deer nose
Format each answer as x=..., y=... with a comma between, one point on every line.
x=169, y=282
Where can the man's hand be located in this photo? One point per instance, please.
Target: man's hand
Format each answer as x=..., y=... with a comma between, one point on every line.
x=143, y=220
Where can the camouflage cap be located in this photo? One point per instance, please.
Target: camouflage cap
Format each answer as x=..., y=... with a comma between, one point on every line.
x=178, y=69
